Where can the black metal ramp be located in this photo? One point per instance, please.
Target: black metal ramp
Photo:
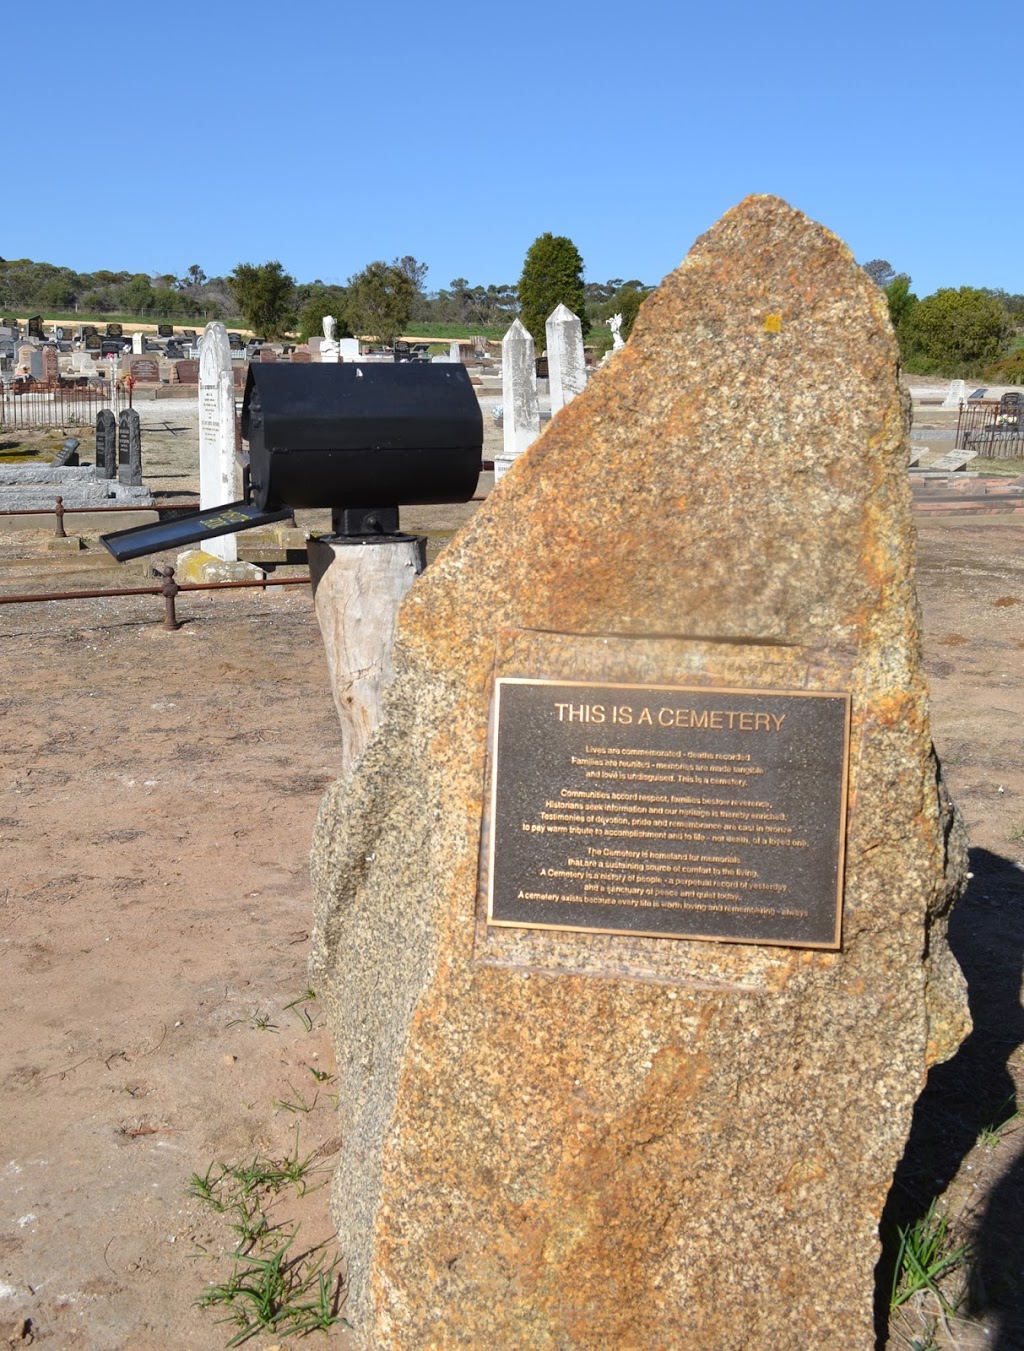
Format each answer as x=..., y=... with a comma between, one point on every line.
x=200, y=525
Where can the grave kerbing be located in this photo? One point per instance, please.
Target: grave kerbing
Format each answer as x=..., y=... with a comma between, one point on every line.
x=583, y=1140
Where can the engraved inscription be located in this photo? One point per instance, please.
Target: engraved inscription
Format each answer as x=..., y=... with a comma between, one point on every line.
x=685, y=813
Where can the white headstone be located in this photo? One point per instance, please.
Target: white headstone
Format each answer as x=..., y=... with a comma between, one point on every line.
x=953, y=460
x=217, y=432
x=329, y=349
x=349, y=349
x=957, y=394
x=567, y=367
x=521, y=420
x=454, y=354
x=138, y=344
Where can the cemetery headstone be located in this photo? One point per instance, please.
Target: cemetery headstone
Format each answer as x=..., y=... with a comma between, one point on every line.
x=957, y=394
x=35, y=326
x=303, y=358
x=111, y=347
x=165, y=330
x=954, y=460
x=50, y=365
x=93, y=342
x=270, y=354
x=189, y=333
x=187, y=372
x=454, y=353
x=25, y=354
x=115, y=331
x=217, y=432
x=521, y=422
x=144, y=370
x=633, y=994
x=88, y=329
x=106, y=443
x=567, y=365
x=129, y=448
x=330, y=352
x=67, y=456
x=236, y=342
x=138, y=343
x=349, y=349
x=36, y=366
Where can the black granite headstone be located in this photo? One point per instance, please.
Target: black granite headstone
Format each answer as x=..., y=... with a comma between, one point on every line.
x=129, y=448
x=106, y=443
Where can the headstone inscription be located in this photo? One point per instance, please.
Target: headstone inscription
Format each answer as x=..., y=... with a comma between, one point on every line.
x=115, y=331
x=106, y=443
x=129, y=448
x=165, y=330
x=638, y=1131
x=954, y=460
x=145, y=370
x=187, y=372
x=93, y=342
x=217, y=432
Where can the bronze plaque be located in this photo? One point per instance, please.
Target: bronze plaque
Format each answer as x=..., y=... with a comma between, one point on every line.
x=670, y=812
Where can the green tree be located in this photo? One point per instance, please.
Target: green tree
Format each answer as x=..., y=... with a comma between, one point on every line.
x=323, y=300
x=552, y=275
x=381, y=298
x=880, y=271
x=264, y=294
x=901, y=299
x=953, y=331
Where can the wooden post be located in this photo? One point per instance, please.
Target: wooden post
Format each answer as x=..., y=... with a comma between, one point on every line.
x=357, y=589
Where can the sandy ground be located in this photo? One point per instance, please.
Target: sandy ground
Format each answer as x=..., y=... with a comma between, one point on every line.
x=157, y=799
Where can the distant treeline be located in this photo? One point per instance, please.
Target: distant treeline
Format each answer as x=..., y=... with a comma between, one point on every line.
x=26, y=285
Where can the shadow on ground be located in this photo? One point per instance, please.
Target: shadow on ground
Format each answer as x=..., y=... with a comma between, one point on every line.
x=966, y=1096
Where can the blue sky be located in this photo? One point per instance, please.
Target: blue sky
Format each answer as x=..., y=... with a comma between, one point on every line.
x=153, y=136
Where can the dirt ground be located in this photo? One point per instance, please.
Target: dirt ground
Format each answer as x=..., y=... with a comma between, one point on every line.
x=157, y=798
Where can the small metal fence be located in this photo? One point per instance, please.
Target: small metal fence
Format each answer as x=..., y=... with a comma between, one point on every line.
x=992, y=427
x=25, y=403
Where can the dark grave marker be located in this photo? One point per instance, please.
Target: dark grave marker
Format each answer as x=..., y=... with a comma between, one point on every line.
x=187, y=372
x=51, y=367
x=165, y=330
x=93, y=342
x=129, y=448
x=115, y=331
x=35, y=326
x=106, y=443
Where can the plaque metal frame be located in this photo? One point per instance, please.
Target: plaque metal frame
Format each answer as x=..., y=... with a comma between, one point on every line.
x=822, y=790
